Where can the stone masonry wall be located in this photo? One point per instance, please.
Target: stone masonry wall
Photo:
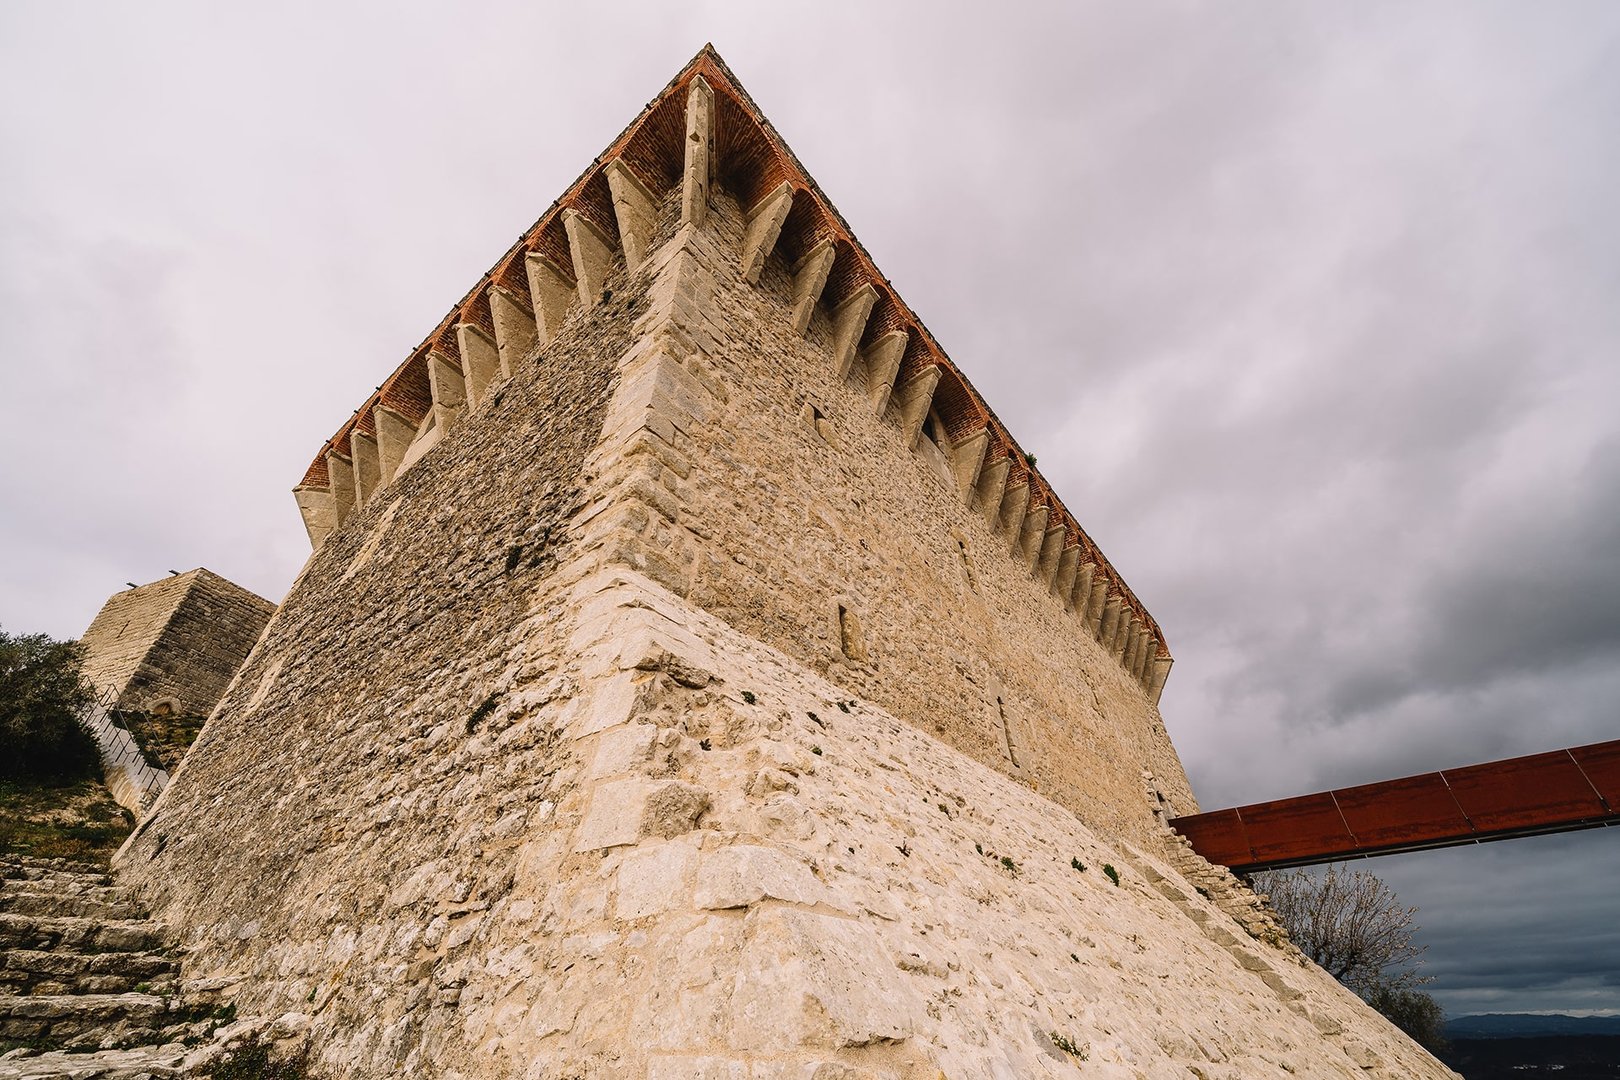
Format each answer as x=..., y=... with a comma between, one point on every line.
x=673, y=853
x=356, y=746
x=126, y=628
x=180, y=640
x=492, y=801
x=770, y=492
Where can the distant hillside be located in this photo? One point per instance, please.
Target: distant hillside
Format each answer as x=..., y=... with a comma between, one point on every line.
x=1520, y=1025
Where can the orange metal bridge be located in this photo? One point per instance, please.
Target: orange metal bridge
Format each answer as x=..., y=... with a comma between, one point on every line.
x=1561, y=791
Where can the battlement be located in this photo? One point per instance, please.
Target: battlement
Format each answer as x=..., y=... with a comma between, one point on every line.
x=700, y=139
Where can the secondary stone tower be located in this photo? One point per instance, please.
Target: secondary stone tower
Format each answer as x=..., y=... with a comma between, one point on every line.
x=694, y=678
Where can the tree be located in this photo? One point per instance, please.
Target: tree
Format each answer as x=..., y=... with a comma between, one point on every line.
x=1414, y=1012
x=1354, y=926
x=1349, y=922
x=43, y=694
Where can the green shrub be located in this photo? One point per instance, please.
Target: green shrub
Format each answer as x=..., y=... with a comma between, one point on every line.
x=43, y=694
x=1413, y=1011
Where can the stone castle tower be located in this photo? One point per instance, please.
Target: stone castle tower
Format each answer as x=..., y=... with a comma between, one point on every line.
x=173, y=644
x=693, y=679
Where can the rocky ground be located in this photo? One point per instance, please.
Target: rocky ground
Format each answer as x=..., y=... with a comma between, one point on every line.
x=76, y=820
x=90, y=988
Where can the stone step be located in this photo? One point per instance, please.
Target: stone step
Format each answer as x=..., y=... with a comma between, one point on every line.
x=91, y=888
x=79, y=1019
x=59, y=871
x=104, y=903
x=42, y=932
x=136, y=1064
x=29, y=971
x=56, y=882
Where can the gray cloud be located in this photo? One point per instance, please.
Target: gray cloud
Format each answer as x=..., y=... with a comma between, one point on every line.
x=1306, y=310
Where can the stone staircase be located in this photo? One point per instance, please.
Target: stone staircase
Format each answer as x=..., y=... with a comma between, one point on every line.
x=88, y=986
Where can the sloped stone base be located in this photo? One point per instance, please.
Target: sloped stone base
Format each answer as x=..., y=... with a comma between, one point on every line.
x=787, y=883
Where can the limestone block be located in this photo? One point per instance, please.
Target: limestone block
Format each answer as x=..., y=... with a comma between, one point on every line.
x=316, y=507
x=1068, y=566
x=1031, y=532
x=367, y=472
x=673, y=808
x=809, y=278
x=1110, y=621
x=671, y=649
x=1080, y=596
x=699, y=163
x=1046, y=553
x=882, y=365
x=662, y=387
x=622, y=749
x=614, y=702
x=553, y=289
x=480, y=361
x=592, y=252
x=991, y=487
x=967, y=461
x=764, y=228
x=1161, y=673
x=653, y=880
x=395, y=432
x=809, y=980
x=1097, y=603
x=1133, y=637
x=449, y=388
x=915, y=398
x=742, y=875
x=340, y=471
x=615, y=814
x=1122, y=633
x=1014, y=511
x=515, y=330
x=635, y=207
x=849, y=323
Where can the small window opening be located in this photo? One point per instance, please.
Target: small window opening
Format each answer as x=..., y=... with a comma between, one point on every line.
x=817, y=422
x=934, y=428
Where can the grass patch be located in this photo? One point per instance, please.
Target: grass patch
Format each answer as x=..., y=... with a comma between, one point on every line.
x=75, y=820
x=254, y=1062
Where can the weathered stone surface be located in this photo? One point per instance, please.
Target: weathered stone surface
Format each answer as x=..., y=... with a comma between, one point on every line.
x=649, y=730
x=178, y=641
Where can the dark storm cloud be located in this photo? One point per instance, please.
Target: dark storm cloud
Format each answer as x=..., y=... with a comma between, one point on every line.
x=1517, y=921
x=1307, y=310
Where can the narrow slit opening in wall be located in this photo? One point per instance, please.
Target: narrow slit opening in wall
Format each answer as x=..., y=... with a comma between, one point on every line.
x=1006, y=735
x=967, y=566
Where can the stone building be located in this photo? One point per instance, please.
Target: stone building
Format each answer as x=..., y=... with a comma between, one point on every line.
x=174, y=644
x=694, y=679
x=160, y=655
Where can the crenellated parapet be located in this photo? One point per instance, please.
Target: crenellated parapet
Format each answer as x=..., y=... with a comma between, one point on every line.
x=701, y=133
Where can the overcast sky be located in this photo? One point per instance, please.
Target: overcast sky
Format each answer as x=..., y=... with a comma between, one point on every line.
x=1311, y=312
